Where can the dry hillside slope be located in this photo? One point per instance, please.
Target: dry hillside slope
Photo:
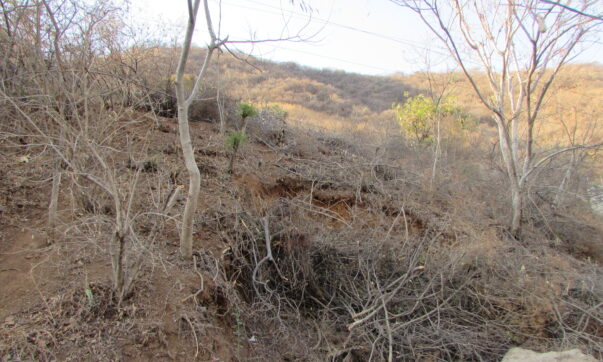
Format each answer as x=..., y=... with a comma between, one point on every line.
x=366, y=257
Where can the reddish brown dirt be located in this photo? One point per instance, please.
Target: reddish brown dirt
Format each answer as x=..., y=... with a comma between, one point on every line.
x=43, y=308
x=177, y=312
x=44, y=284
x=23, y=249
x=22, y=252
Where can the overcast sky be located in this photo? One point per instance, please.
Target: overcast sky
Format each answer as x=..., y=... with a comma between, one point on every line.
x=363, y=36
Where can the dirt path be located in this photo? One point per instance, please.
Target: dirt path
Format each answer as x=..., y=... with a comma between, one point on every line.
x=20, y=261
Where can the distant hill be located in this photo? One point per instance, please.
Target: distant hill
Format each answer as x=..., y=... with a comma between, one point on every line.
x=572, y=109
x=331, y=97
x=332, y=92
x=375, y=92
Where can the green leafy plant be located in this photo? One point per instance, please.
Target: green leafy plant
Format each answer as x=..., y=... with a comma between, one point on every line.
x=246, y=110
x=90, y=297
x=418, y=115
x=233, y=141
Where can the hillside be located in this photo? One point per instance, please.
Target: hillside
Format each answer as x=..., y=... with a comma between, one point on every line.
x=336, y=98
x=355, y=90
x=339, y=223
x=574, y=100
x=316, y=96
x=323, y=230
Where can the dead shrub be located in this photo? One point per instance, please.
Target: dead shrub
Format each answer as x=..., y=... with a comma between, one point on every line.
x=270, y=127
x=203, y=109
x=400, y=273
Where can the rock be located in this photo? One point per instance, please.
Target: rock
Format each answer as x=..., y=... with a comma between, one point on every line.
x=595, y=194
x=525, y=355
x=23, y=159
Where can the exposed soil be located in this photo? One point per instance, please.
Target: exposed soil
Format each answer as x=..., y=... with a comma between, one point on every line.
x=17, y=276
x=56, y=300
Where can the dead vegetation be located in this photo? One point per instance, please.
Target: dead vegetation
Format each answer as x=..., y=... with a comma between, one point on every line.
x=320, y=247
x=386, y=278
x=336, y=256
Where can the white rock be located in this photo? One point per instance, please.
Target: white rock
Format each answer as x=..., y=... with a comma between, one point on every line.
x=595, y=194
x=525, y=355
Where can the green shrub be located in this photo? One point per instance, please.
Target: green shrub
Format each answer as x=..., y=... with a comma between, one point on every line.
x=233, y=141
x=418, y=116
x=246, y=110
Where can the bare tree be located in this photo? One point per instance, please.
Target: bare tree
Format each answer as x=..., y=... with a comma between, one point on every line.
x=520, y=46
x=56, y=94
x=184, y=103
x=438, y=90
x=577, y=131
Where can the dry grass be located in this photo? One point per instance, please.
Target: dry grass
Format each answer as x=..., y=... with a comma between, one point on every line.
x=331, y=242
x=368, y=261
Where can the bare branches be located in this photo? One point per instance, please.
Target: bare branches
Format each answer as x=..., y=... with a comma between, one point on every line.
x=521, y=49
x=557, y=153
x=573, y=9
x=268, y=257
x=184, y=102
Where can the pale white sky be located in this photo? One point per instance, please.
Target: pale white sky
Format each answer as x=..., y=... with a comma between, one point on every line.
x=363, y=36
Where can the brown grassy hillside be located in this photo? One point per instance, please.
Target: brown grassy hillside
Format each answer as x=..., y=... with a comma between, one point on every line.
x=347, y=231
x=573, y=106
x=333, y=237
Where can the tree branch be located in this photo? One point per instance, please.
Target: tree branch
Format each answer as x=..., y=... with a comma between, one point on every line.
x=574, y=10
x=555, y=154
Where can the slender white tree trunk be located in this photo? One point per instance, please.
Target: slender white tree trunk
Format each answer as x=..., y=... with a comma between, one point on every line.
x=514, y=182
x=516, y=204
x=436, y=154
x=53, y=205
x=184, y=102
x=186, y=235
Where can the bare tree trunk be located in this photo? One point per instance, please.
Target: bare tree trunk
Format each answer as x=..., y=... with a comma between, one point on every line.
x=516, y=207
x=231, y=162
x=559, y=198
x=119, y=241
x=220, y=102
x=186, y=236
x=244, y=125
x=436, y=154
x=514, y=184
x=184, y=102
x=221, y=112
x=53, y=206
